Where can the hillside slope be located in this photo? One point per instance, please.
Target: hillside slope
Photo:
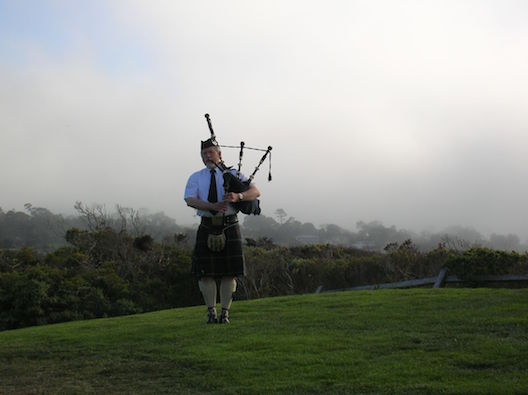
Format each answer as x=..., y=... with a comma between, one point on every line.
x=394, y=341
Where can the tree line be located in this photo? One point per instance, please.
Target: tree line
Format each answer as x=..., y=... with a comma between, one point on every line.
x=372, y=236
x=42, y=230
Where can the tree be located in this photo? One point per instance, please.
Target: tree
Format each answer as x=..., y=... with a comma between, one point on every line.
x=281, y=215
x=377, y=236
x=96, y=218
x=256, y=226
x=509, y=242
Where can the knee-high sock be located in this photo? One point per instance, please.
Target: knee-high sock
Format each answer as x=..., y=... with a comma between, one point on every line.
x=227, y=287
x=208, y=288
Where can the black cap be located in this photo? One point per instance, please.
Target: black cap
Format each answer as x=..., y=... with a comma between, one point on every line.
x=208, y=143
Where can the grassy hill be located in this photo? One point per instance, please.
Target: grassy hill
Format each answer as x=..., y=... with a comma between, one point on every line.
x=449, y=341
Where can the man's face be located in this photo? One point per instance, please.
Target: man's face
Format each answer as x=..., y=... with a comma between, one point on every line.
x=211, y=156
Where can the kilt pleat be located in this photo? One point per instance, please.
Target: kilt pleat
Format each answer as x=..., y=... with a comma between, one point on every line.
x=228, y=262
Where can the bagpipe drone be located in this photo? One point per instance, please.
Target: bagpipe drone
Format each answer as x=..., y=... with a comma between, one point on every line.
x=233, y=183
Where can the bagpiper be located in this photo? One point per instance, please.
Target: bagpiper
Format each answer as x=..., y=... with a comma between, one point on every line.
x=218, y=193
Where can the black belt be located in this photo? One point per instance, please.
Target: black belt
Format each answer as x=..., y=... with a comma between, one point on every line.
x=220, y=220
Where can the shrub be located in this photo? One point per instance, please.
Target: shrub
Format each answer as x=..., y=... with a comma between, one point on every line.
x=482, y=261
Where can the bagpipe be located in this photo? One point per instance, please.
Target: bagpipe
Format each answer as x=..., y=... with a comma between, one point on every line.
x=232, y=182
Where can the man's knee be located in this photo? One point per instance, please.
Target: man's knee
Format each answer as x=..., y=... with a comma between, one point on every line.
x=229, y=283
x=206, y=283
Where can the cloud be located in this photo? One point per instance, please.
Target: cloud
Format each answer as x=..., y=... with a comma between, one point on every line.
x=412, y=113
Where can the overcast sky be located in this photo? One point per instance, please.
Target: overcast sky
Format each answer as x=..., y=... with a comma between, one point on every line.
x=413, y=113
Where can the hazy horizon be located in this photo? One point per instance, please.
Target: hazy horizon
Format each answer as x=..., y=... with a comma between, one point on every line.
x=410, y=113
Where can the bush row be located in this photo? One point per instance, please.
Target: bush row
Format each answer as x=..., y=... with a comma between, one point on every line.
x=107, y=273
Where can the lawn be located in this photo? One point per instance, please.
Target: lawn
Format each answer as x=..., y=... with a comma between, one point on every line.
x=438, y=341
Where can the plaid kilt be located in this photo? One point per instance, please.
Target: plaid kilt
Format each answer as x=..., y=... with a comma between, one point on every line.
x=228, y=262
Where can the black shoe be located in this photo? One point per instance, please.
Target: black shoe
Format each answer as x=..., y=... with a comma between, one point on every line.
x=224, y=317
x=211, y=316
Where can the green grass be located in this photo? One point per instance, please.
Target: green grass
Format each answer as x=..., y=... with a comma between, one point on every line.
x=448, y=341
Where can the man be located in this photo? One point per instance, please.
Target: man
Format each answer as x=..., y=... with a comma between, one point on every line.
x=218, y=250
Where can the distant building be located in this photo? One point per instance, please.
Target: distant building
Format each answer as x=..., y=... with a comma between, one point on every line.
x=364, y=245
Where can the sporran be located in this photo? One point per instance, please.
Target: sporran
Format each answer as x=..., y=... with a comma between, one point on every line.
x=216, y=242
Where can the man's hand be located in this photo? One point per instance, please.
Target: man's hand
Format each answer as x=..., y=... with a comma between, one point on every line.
x=220, y=206
x=231, y=197
x=251, y=194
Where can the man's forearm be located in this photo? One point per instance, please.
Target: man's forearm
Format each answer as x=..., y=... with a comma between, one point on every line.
x=252, y=193
x=199, y=204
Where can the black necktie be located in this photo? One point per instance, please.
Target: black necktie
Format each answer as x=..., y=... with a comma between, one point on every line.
x=213, y=195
